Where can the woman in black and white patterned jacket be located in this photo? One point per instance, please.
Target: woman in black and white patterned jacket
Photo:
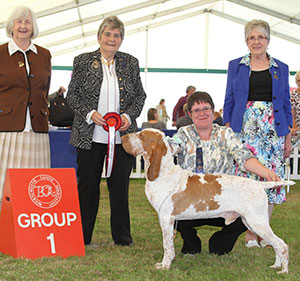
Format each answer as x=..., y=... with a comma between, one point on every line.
x=105, y=81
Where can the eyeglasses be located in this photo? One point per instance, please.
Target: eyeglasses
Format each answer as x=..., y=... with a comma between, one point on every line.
x=259, y=38
x=198, y=110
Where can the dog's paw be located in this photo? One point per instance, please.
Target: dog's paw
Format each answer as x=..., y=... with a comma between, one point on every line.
x=160, y=265
x=278, y=266
x=283, y=271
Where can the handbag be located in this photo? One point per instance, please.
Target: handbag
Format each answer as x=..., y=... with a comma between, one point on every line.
x=60, y=113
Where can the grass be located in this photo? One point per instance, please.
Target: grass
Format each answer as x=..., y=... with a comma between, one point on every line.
x=109, y=262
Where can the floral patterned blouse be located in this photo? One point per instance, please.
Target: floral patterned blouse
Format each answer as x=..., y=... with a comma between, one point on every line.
x=219, y=153
x=295, y=102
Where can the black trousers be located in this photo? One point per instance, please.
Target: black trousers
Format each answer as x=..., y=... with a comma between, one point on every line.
x=90, y=164
x=221, y=242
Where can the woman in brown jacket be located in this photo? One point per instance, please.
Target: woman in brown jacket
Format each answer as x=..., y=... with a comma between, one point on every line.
x=25, y=73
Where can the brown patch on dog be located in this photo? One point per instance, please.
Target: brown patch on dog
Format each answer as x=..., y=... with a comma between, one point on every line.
x=155, y=147
x=126, y=144
x=200, y=195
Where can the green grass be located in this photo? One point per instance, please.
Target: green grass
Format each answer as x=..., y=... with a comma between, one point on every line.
x=109, y=262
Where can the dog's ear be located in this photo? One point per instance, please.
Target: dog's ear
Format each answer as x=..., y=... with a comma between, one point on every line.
x=156, y=152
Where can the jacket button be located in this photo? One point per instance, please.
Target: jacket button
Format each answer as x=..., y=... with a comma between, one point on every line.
x=276, y=110
x=1, y=110
x=277, y=124
x=274, y=98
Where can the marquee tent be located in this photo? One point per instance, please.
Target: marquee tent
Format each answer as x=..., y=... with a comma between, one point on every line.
x=178, y=43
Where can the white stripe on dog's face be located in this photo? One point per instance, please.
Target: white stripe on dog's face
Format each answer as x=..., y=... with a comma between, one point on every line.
x=200, y=195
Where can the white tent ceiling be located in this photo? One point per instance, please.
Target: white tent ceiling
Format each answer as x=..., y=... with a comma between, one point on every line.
x=69, y=27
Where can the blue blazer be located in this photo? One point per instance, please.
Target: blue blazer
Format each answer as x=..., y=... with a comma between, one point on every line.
x=237, y=92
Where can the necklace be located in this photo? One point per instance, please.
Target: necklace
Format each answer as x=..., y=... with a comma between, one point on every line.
x=107, y=63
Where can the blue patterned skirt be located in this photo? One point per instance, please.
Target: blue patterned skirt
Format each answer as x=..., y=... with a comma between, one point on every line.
x=259, y=135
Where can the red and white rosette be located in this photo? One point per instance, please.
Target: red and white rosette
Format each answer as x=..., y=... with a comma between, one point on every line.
x=113, y=121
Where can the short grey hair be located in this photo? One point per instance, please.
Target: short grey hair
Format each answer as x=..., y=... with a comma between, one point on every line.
x=259, y=25
x=190, y=88
x=21, y=13
x=111, y=22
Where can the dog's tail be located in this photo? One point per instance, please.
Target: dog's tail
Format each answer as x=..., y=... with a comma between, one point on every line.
x=271, y=184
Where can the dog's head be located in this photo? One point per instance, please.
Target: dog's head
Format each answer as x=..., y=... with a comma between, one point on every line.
x=150, y=144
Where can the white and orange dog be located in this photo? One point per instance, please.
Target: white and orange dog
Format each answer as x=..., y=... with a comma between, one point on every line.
x=177, y=194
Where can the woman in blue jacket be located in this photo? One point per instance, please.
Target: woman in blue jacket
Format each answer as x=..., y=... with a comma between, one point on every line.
x=257, y=107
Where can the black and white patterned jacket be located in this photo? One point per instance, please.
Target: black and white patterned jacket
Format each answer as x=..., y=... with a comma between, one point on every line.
x=84, y=91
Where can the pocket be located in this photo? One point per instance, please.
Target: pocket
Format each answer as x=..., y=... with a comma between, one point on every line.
x=5, y=110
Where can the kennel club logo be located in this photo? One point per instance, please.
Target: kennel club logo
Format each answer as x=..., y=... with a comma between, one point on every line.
x=44, y=191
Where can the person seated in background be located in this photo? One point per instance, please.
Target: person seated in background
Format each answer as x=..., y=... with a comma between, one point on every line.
x=218, y=119
x=184, y=120
x=295, y=103
x=153, y=121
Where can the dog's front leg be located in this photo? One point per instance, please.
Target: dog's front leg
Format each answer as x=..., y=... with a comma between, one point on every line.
x=167, y=224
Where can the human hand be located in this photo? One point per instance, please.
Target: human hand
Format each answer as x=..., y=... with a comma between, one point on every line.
x=125, y=123
x=271, y=176
x=294, y=131
x=98, y=119
x=174, y=123
x=287, y=146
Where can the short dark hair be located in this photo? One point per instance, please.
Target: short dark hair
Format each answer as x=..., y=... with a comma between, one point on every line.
x=198, y=97
x=161, y=101
x=151, y=114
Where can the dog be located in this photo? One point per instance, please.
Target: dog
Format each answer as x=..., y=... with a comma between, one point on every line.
x=178, y=194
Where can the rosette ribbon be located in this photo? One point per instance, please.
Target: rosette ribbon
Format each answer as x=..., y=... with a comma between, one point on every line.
x=113, y=121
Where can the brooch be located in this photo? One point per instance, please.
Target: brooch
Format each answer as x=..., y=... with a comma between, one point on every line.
x=95, y=64
x=21, y=63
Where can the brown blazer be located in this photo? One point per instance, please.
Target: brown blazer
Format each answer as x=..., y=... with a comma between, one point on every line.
x=18, y=90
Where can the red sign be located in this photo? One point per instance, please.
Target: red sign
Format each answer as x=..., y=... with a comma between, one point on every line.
x=40, y=215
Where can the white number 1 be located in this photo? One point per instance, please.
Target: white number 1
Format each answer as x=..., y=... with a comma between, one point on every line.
x=51, y=238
